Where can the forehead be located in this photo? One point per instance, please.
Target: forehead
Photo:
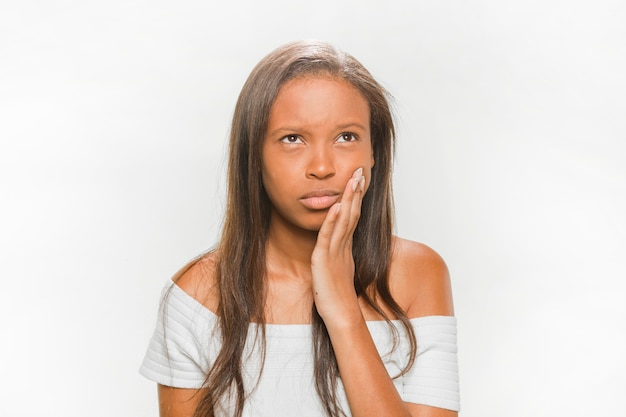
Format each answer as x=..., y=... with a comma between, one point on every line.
x=317, y=81
x=319, y=96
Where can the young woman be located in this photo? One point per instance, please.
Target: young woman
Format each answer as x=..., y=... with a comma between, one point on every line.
x=308, y=306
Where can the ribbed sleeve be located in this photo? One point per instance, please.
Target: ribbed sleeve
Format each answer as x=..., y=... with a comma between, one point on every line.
x=434, y=378
x=177, y=354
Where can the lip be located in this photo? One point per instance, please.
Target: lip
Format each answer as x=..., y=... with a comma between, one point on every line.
x=320, y=199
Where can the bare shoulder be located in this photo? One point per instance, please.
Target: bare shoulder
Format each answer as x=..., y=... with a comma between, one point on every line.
x=199, y=279
x=419, y=280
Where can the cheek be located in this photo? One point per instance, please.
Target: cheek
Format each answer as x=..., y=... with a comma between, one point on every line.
x=367, y=162
x=278, y=184
x=269, y=183
x=268, y=171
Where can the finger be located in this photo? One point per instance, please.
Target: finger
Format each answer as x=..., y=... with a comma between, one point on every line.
x=325, y=233
x=355, y=207
x=346, y=222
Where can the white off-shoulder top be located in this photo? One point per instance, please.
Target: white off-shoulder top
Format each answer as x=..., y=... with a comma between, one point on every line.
x=186, y=341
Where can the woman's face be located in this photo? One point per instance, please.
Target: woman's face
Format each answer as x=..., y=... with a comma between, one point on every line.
x=318, y=135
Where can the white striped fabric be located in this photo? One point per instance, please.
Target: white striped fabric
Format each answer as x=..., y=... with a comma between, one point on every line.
x=185, y=342
x=434, y=378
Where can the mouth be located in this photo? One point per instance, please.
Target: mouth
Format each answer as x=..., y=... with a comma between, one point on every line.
x=320, y=199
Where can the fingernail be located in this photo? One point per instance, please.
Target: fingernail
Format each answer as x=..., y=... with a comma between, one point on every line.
x=362, y=183
x=355, y=182
x=357, y=173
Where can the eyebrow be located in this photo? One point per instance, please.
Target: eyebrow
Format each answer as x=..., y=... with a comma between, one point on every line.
x=348, y=125
x=283, y=129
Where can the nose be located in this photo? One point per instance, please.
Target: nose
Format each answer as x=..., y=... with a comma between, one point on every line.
x=321, y=163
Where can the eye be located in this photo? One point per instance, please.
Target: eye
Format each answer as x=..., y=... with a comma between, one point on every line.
x=291, y=139
x=347, y=137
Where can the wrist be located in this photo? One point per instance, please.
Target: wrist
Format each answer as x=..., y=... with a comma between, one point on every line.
x=343, y=320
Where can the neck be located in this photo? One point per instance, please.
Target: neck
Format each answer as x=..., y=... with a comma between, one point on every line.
x=289, y=249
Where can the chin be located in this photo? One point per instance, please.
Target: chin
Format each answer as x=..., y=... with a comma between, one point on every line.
x=304, y=222
x=310, y=227
x=312, y=223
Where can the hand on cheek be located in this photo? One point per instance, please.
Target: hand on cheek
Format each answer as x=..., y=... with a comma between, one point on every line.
x=332, y=265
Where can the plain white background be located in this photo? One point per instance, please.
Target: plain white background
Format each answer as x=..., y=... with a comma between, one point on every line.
x=511, y=163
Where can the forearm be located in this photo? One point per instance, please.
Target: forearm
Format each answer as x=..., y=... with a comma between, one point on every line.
x=369, y=388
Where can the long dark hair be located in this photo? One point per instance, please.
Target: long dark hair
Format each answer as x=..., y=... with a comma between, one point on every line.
x=240, y=257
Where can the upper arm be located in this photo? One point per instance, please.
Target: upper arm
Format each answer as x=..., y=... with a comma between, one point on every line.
x=420, y=281
x=178, y=402
x=197, y=279
x=419, y=410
